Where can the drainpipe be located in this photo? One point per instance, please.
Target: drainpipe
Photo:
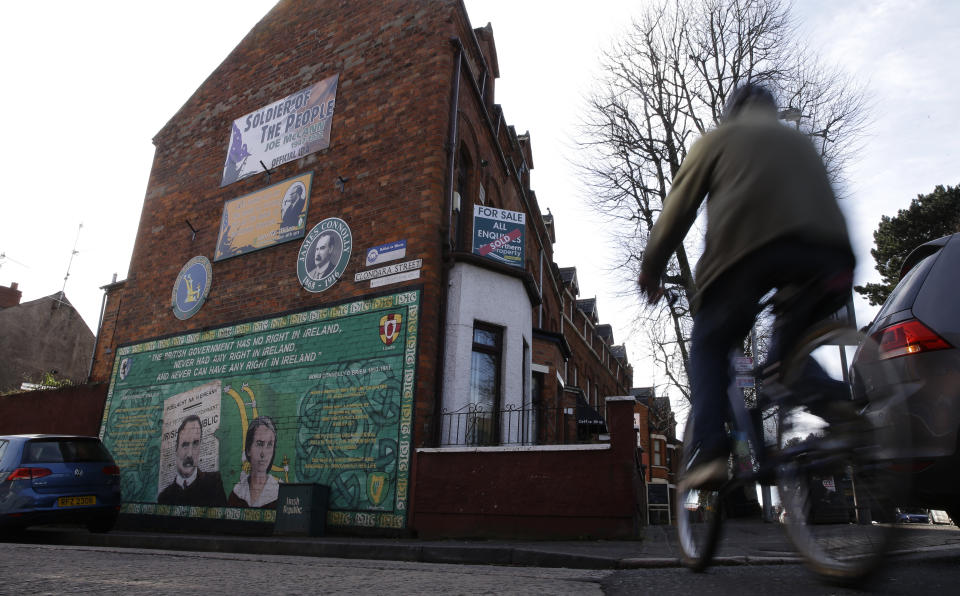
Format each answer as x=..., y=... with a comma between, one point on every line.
x=447, y=257
x=96, y=340
x=540, y=288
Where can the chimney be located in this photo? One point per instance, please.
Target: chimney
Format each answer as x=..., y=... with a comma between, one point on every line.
x=10, y=296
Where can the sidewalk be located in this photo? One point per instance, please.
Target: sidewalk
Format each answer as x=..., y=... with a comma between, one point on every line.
x=750, y=542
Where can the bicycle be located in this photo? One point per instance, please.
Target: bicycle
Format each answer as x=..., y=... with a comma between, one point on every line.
x=834, y=459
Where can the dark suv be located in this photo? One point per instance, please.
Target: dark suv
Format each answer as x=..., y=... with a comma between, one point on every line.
x=918, y=331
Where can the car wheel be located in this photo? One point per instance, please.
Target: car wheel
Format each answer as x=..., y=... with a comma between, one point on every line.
x=102, y=523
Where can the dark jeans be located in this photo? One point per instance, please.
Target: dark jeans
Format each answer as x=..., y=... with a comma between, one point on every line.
x=729, y=307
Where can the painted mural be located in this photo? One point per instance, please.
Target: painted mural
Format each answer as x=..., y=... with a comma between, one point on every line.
x=210, y=424
x=264, y=218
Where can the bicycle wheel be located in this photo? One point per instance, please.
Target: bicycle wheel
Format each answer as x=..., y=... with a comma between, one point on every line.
x=698, y=520
x=838, y=449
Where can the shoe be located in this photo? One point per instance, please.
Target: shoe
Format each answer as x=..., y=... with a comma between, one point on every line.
x=707, y=471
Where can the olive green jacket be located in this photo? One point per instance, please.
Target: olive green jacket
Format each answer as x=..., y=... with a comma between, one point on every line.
x=763, y=181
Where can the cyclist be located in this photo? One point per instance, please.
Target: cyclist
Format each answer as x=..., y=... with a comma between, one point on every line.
x=772, y=221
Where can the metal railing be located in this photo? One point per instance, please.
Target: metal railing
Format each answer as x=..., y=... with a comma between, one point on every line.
x=474, y=425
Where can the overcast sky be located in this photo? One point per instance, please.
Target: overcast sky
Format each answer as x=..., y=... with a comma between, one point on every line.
x=89, y=84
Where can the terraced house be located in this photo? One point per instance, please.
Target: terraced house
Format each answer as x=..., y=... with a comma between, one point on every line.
x=343, y=278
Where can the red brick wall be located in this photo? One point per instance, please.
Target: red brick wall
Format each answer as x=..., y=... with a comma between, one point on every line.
x=542, y=494
x=395, y=63
x=644, y=433
x=389, y=139
x=593, y=361
x=72, y=410
x=106, y=344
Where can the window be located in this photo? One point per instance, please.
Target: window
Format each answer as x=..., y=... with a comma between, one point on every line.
x=466, y=204
x=484, y=384
x=65, y=451
x=536, y=395
x=657, y=455
x=463, y=177
x=906, y=291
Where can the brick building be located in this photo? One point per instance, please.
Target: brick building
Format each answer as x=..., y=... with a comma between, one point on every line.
x=661, y=453
x=411, y=300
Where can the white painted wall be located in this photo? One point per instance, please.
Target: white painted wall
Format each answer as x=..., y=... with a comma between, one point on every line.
x=478, y=294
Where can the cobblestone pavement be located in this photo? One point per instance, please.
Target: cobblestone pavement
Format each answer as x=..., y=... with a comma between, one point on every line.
x=47, y=569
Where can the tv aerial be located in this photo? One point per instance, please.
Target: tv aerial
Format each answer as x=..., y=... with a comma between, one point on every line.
x=4, y=258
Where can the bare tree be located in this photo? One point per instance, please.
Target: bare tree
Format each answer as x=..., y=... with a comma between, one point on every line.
x=664, y=85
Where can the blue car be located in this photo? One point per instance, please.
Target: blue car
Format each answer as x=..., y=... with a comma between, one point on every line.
x=57, y=479
x=913, y=516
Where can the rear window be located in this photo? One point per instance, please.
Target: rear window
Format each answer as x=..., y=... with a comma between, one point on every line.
x=3, y=447
x=51, y=451
x=906, y=291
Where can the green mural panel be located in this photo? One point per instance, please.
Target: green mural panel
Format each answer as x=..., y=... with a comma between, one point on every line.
x=329, y=392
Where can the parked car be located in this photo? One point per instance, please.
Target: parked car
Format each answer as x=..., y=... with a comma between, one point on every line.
x=57, y=479
x=913, y=516
x=918, y=332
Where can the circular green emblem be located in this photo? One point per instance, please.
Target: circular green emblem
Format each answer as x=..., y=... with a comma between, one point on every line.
x=191, y=287
x=324, y=254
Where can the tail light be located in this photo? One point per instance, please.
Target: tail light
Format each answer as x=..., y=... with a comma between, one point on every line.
x=908, y=337
x=111, y=470
x=28, y=473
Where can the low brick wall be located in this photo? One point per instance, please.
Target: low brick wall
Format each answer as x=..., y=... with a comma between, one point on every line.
x=573, y=491
x=75, y=410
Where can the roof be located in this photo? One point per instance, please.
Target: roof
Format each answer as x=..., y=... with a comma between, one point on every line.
x=43, y=335
x=643, y=394
x=619, y=352
x=589, y=307
x=606, y=333
x=568, y=275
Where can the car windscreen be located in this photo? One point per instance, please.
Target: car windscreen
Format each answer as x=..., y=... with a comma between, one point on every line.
x=48, y=451
x=905, y=293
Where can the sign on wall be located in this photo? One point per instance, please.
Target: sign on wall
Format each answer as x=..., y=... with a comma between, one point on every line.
x=267, y=217
x=282, y=131
x=498, y=234
x=191, y=288
x=324, y=254
x=386, y=252
x=323, y=396
x=391, y=274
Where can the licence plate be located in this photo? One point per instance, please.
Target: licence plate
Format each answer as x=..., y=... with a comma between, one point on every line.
x=76, y=501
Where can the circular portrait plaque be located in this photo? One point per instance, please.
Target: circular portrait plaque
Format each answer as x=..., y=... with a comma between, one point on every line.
x=324, y=254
